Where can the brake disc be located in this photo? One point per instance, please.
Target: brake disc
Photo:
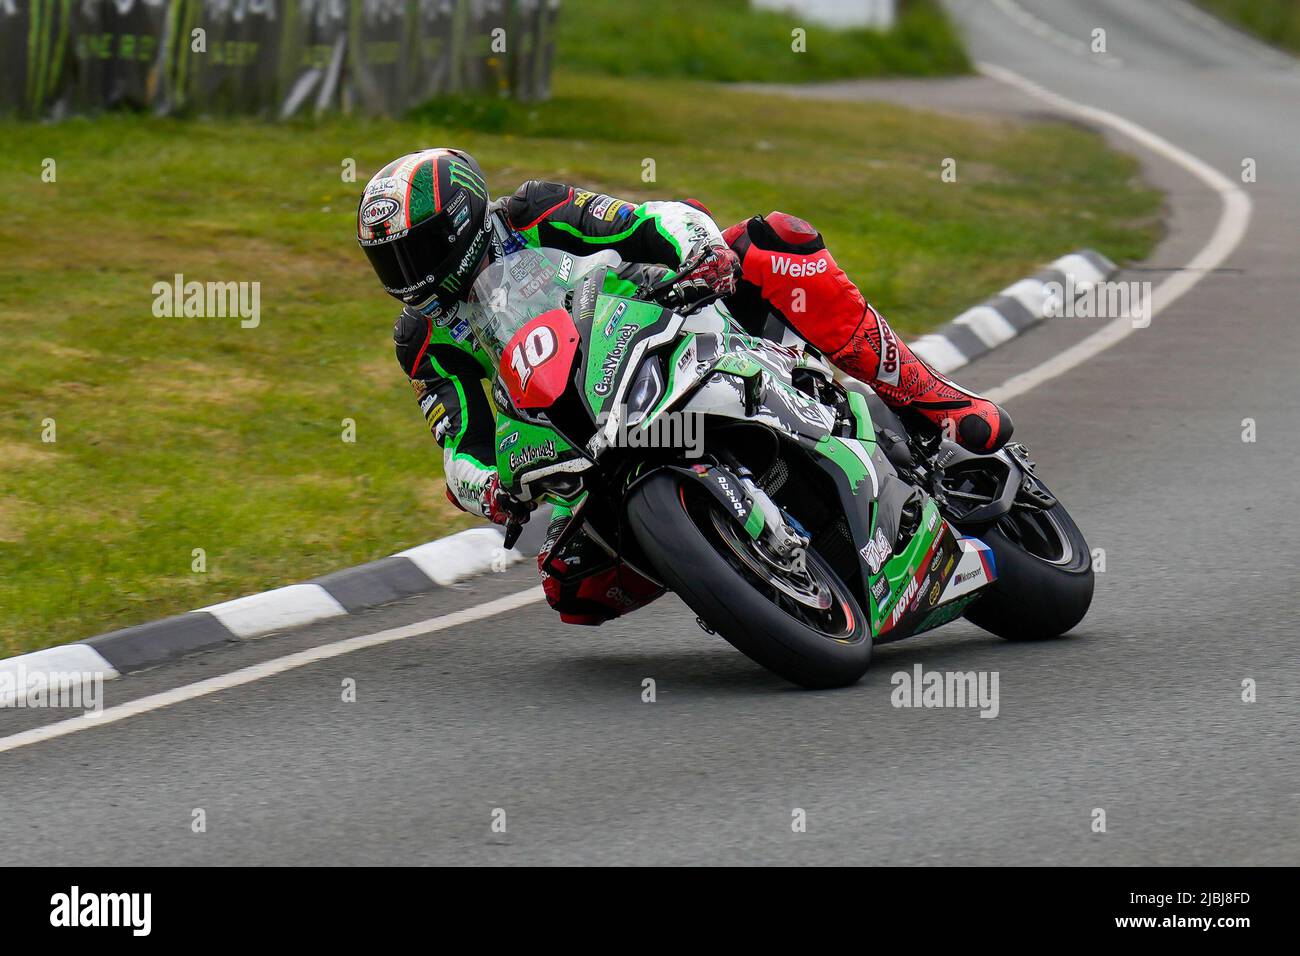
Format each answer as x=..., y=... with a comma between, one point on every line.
x=795, y=582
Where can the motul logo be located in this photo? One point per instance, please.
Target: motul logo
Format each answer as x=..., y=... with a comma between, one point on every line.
x=785, y=266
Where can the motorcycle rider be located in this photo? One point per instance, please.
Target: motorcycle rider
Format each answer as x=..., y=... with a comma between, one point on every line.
x=428, y=227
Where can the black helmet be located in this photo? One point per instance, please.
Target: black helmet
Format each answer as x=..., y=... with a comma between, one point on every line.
x=423, y=223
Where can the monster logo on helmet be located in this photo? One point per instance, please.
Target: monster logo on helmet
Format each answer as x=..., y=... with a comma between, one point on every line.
x=423, y=223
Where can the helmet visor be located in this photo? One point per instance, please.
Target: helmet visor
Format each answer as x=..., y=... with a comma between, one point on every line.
x=410, y=266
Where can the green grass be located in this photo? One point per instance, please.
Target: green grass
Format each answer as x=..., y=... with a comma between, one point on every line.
x=726, y=40
x=183, y=433
x=1277, y=21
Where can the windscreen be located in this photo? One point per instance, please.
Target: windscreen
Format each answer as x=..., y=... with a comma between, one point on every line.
x=521, y=286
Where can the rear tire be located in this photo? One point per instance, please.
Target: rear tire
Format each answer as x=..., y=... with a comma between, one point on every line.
x=1036, y=596
x=695, y=563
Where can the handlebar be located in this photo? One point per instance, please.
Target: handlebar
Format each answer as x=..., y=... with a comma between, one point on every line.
x=670, y=295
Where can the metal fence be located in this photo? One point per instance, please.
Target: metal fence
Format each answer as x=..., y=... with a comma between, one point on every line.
x=270, y=57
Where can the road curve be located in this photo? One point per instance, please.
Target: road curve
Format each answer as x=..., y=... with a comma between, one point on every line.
x=1138, y=713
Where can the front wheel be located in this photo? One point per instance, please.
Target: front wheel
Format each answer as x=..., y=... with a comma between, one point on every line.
x=1044, y=576
x=805, y=626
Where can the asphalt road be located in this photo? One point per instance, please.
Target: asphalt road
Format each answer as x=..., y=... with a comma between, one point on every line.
x=1138, y=713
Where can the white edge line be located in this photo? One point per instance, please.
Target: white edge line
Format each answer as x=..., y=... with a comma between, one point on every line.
x=1227, y=234
x=256, y=672
x=1036, y=25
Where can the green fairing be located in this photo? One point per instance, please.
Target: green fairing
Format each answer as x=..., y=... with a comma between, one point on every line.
x=564, y=507
x=843, y=457
x=945, y=613
x=861, y=416
x=903, y=566
x=634, y=317
x=513, y=437
x=616, y=286
x=733, y=363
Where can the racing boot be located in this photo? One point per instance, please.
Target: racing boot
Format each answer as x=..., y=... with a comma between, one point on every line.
x=875, y=355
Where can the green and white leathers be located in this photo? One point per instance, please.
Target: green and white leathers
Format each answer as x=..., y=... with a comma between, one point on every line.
x=445, y=364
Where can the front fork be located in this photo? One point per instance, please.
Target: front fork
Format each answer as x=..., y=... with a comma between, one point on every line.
x=785, y=542
x=741, y=497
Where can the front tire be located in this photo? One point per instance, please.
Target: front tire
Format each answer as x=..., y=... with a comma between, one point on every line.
x=1045, y=580
x=671, y=521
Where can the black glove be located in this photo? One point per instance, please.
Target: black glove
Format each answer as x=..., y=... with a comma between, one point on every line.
x=709, y=274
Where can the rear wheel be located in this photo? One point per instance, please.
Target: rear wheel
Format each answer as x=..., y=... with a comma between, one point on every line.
x=804, y=625
x=1044, y=575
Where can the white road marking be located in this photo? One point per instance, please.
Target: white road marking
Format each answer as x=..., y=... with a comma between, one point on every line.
x=1056, y=37
x=1228, y=233
x=279, y=665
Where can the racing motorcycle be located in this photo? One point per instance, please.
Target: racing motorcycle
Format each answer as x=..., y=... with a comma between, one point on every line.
x=807, y=523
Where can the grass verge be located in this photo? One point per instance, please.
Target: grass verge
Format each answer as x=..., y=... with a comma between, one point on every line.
x=1276, y=21
x=176, y=434
x=727, y=40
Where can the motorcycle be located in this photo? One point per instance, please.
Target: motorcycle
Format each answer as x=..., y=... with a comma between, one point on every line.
x=808, y=521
